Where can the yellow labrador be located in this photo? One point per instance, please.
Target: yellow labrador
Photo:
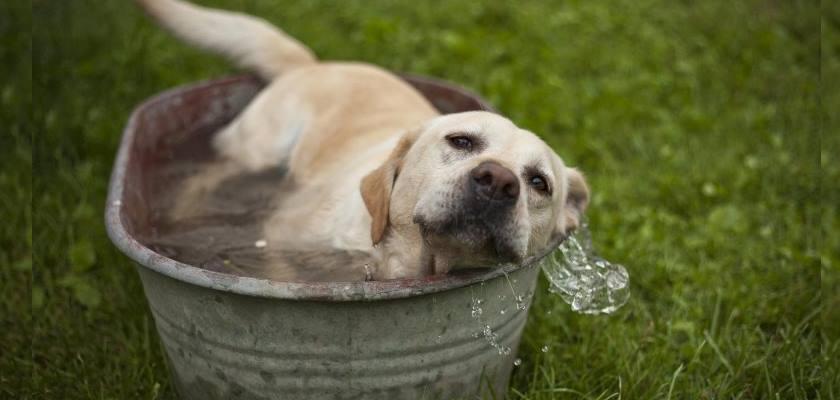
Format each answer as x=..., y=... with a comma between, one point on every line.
x=376, y=169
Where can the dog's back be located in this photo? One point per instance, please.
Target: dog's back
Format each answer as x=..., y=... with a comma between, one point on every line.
x=314, y=117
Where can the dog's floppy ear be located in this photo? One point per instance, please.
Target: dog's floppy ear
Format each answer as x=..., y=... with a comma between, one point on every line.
x=577, y=198
x=377, y=186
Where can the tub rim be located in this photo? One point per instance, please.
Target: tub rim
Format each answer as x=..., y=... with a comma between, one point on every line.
x=265, y=288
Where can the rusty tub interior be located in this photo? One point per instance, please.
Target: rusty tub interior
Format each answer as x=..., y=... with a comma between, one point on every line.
x=228, y=335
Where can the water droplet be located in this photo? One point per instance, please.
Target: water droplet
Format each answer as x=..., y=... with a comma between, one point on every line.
x=517, y=362
x=544, y=349
x=475, y=307
x=521, y=303
x=502, y=312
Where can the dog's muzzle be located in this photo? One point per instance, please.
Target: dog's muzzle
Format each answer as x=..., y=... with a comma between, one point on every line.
x=483, y=219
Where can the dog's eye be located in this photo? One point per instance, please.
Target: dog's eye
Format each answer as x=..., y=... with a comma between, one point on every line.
x=460, y=142
x=538, y=183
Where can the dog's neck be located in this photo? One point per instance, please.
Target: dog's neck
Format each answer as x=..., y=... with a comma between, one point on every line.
x=398, y=256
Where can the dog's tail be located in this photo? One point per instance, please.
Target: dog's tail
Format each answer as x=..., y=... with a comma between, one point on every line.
x=250, y=42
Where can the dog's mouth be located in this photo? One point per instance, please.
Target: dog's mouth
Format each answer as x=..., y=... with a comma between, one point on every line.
x=474, y=237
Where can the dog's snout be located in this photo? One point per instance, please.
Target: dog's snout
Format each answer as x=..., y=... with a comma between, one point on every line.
x=495, y=182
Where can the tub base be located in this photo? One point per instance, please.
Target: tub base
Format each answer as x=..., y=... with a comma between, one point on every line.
x=229, y=346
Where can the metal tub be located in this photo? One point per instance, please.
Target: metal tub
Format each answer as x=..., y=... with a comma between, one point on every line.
x=234, y=337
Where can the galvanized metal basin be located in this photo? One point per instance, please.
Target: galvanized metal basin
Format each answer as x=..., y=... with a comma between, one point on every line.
x=230, y=336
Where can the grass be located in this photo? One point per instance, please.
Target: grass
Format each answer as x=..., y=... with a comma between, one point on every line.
x=708, y=131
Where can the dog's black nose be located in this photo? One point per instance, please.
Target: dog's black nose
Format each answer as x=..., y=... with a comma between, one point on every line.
x=495, y=182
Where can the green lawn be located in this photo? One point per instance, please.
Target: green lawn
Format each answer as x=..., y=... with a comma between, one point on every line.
x=714, y=173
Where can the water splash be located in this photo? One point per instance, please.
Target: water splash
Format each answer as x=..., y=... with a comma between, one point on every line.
x=475, y=307
x=486, y=331
x=590, y=284
x=520, y=300
x=493, y=339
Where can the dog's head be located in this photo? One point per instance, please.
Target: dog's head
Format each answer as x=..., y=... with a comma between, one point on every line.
x=477, y=189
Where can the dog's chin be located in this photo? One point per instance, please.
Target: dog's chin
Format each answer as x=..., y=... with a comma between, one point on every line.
x=476, y=240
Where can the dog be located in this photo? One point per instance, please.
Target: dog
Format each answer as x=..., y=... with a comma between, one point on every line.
x=375, y=168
